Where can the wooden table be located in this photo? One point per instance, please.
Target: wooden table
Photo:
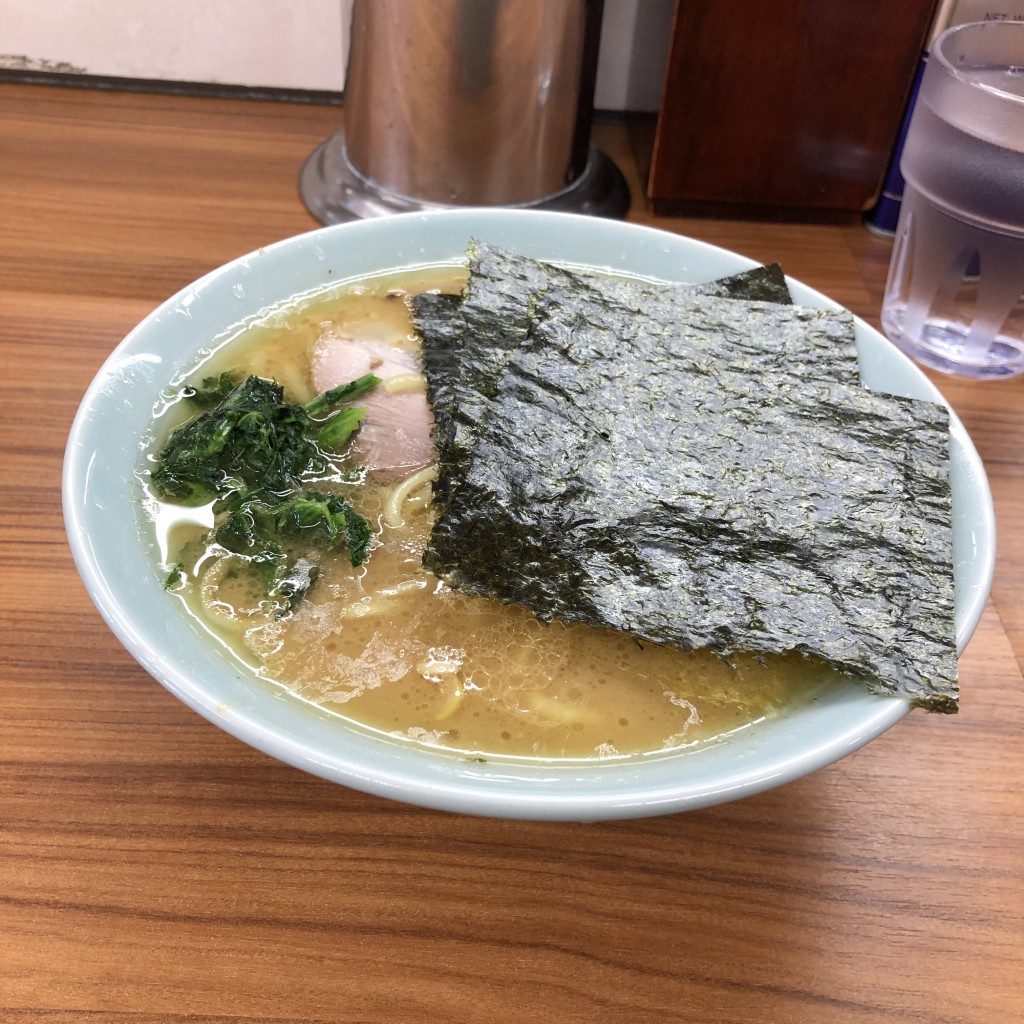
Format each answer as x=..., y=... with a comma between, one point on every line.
x=153, y=870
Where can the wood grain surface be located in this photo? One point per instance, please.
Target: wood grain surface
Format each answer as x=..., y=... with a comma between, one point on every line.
x=154, y=870
x=784, y=110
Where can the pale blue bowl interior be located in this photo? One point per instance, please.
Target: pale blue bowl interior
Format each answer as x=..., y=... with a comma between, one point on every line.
x=119, y=565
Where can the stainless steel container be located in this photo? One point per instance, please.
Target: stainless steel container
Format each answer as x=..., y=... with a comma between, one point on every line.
x=466, y=103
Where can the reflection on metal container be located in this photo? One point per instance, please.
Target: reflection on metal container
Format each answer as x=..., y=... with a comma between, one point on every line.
x=466, y=103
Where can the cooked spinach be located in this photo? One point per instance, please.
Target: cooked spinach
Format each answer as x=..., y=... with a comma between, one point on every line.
x=212, y=391
x=255, y=456
x=251, y=439
x=260, y=524
x=263, y=528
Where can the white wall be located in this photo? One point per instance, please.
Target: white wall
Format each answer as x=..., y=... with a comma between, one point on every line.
x=279, y=43
x=292, y=44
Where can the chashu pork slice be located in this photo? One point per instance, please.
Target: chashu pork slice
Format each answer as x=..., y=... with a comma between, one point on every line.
x=394, y=439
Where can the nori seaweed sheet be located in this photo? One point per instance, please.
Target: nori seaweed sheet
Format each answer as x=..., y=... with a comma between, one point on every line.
x=615, y=471
x=467, y=343
x=760, y=284
x=495, y=314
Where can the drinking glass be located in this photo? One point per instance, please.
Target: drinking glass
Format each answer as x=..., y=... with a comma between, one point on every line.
x=953, y=296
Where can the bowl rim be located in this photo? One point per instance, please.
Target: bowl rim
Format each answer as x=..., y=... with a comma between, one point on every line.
x=497, y=788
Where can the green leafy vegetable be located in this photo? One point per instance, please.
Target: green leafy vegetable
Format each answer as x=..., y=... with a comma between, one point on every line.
x=213, y=390
x=254, y=439
x=337, y=431
x=293, y=586
x=342, y=393
x=260, y=524
x=253, y=453
x=262, y=528
x=175, y=579
x=251, y=439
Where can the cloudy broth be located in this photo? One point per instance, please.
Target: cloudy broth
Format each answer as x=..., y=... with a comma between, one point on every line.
x=390, y=647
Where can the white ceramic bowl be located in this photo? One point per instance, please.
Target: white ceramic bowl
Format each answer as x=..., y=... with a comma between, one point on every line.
x=119, y=565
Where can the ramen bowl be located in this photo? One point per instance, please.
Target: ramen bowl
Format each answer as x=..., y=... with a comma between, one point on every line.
x=116, y=556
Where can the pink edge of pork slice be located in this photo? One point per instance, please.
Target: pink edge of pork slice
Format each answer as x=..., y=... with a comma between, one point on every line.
x=394, y=438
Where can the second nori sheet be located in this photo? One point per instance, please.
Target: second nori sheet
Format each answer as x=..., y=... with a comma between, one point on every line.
x=467, y=343
x=619, y=477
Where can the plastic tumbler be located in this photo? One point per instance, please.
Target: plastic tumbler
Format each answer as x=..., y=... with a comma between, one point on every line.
x=953, y=297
